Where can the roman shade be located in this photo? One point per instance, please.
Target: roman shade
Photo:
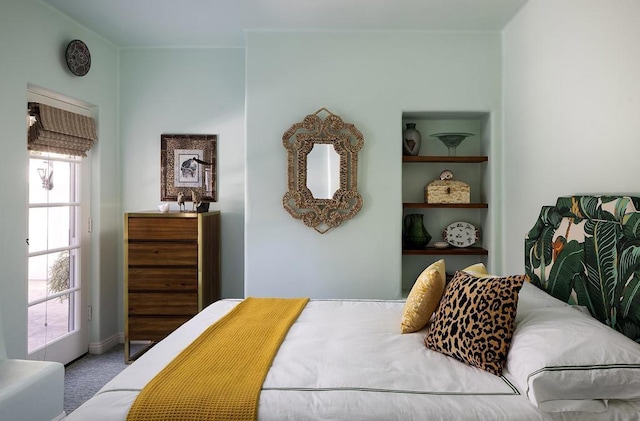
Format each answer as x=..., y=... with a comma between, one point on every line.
x=60, y=131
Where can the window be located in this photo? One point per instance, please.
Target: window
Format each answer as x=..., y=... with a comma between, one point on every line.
x=54, y=247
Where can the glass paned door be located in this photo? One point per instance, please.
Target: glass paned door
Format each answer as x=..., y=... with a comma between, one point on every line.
x=56, y=330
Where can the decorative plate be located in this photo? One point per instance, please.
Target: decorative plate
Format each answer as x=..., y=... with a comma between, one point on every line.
x=461, y=234
x=78, y=57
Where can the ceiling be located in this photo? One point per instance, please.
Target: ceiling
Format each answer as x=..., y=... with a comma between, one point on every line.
x=222, y=23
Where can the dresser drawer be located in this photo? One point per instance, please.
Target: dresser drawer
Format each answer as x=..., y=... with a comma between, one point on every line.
x=163, y=254
x=153, y=328
x=163, y=279
x=178, y=229
x=163, y=303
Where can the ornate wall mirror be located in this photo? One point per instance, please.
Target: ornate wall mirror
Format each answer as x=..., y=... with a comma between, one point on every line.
x=322, y=155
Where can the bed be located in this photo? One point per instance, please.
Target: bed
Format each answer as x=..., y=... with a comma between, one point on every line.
x=348, y=360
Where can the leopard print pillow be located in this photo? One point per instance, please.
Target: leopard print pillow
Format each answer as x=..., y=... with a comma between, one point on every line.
x=475, y=320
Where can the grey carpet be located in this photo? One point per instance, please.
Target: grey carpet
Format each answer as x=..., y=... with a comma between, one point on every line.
x=86, y=375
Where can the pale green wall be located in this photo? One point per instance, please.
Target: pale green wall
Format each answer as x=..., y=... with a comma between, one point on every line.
x=369, y=79
x=571, y=107
x=196, y=91
x=32, y=42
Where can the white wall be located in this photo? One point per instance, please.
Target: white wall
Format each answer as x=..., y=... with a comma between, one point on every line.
x=571, y=107
x=33, y=38
x=190, y=91
x=368, y=79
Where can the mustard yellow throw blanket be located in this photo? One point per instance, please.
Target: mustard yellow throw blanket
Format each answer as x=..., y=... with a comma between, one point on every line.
x=220, y=374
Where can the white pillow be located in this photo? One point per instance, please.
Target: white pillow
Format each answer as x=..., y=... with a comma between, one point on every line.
x=531, y=297
x=565, y=360
x=574, y=405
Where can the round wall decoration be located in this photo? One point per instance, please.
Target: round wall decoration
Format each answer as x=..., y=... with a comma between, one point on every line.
x=78, y=57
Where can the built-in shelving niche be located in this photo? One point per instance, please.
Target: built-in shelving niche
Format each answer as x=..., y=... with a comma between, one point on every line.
x=471, y=165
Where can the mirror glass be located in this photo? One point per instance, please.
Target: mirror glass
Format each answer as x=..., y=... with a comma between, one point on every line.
x=323, y=171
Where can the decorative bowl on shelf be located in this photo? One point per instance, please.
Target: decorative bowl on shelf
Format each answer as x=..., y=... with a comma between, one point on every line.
x=452, y=139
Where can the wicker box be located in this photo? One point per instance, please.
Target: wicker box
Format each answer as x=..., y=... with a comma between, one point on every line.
x=447, y=191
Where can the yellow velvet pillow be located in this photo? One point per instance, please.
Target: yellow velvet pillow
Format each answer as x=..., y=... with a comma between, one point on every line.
x=424, y=298
x=479, y=270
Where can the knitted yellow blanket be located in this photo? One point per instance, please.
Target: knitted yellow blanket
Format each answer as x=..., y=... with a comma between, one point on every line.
x=219, y=376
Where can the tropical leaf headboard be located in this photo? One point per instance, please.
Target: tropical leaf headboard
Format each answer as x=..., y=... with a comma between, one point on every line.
x=585, y=250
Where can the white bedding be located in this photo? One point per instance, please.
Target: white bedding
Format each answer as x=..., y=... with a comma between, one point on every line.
x=346, y=360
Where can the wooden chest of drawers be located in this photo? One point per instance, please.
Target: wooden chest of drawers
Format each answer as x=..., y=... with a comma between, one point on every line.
x=172, y=271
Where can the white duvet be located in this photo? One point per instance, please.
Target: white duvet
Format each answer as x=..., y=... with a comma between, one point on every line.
x=346, y=360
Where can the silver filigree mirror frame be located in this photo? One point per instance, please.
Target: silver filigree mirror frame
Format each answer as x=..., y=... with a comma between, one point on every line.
x=322, y=127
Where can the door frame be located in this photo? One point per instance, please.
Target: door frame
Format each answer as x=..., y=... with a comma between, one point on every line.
x=72, y=345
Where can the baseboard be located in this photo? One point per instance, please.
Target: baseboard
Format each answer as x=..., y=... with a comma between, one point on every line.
x=104, y=346
x=60, y=417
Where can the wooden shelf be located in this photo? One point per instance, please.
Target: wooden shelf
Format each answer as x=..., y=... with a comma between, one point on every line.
x=446, y=205
x=460, y=159
x=452, y=251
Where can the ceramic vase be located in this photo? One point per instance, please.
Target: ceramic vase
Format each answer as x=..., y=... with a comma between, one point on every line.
x=416, y=236
x=411, y=140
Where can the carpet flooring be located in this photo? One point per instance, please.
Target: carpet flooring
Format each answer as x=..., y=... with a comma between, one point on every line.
x=86, y=375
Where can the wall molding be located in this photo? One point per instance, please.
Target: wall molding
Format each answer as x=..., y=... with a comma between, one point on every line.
x=107, y=344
